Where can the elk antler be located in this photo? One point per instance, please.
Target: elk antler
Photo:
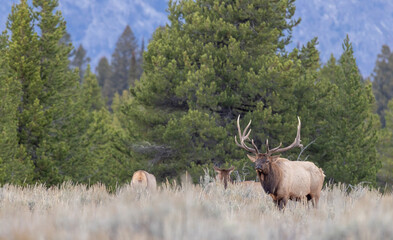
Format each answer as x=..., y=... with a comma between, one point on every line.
x=296, y=142
x=243, y=136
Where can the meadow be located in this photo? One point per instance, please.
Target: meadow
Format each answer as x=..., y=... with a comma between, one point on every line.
x=204, y=211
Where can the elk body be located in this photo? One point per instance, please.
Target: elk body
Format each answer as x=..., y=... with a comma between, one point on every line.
x=143, y=180
x=281, y=178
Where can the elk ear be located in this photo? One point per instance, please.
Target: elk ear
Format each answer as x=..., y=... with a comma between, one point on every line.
x=252, y=158
x=231, y=170
x=218, y=170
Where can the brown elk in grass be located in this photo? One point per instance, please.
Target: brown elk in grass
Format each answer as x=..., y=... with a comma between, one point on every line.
x=224, y=176
x=282, y=179
x=144, y=181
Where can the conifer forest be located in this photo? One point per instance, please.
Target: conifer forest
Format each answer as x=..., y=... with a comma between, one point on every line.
x=170, y=105
x=75, y=136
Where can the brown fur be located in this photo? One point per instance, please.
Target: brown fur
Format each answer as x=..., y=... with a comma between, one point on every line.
x=224, y=175
x=271, y=178
x=143, y=180
x=287, y=180
x=280, y=178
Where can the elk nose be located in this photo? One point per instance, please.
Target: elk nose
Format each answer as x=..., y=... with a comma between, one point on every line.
x=258, y=166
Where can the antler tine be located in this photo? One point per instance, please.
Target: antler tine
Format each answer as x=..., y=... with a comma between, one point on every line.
x=255, y=146
x=267, y=145
x=274, y=149
x=238, y=127
x=296, y=142
x=244, y=136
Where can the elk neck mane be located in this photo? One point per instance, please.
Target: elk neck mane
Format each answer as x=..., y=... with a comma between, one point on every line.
x=272, y=179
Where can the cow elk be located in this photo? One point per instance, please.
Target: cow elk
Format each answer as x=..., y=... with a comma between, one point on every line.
x=281, y=178
x=143, y=180
x=224, y=175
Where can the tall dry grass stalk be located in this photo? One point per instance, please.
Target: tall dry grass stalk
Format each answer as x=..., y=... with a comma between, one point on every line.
x=189, y=212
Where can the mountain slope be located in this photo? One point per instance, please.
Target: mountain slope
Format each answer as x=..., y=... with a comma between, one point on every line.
x=97, y=24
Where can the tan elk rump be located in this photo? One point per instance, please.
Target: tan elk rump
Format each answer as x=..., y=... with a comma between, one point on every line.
x=144, y=181
x=280, y=178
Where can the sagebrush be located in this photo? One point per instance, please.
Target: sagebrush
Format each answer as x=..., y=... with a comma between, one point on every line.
x=190, y=212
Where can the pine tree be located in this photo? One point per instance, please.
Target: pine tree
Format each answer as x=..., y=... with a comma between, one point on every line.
x=96, y=158
x=140, y=59
x=80, y=61
x=45, y=94
x=82, y=164
x=66, y=40
x=134, y=70
x=350, y=133
x=16, y=166
x=60, y=86
x=385, y=149
x=383, y=81
x=23, y=59
x=91, y=92
x=103, y=71
x=213, y=62
x=136, y=65
x=120, y=64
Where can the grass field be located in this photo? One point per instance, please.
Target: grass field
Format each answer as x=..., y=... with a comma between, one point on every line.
x=190, y=212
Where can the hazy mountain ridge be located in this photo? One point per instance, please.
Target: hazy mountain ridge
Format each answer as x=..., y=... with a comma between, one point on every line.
x=97, y=24
x=366, y=22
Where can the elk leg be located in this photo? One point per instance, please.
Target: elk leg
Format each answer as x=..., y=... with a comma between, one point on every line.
x=315, y=201
x=273, y=197
x=282, y=203
x=309, y=197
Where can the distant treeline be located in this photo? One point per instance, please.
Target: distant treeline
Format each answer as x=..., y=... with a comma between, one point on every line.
x=174, y=107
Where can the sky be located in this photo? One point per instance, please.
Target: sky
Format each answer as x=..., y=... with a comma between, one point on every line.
x=97, y=24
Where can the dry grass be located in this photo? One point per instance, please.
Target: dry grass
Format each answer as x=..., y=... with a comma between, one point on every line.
x=189, y=212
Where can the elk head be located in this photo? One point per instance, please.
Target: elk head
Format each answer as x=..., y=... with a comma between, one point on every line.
x=224, y=175
x=262, y=160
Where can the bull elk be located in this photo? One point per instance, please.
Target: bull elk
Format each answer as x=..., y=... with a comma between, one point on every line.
x=143, y=180
x=281, y=178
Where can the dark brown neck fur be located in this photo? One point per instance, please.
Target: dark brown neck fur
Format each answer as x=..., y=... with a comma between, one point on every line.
x=271, y=179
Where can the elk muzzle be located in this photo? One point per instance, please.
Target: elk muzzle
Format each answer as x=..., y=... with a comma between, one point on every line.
x=258, y=166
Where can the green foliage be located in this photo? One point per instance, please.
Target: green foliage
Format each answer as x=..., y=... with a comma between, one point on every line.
x=348, y=145
x=134, y=70
x=24, y=85
x=383, y=81
x=194, y=138
x=103, y=71
x=91, y=92
x=385, y=149
x=121, y=64
x=86, y=144
x=214, y=61
x=95, y=156
x=80, y=61
x=50, y=119
x=16, y=166
x=2, y=172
